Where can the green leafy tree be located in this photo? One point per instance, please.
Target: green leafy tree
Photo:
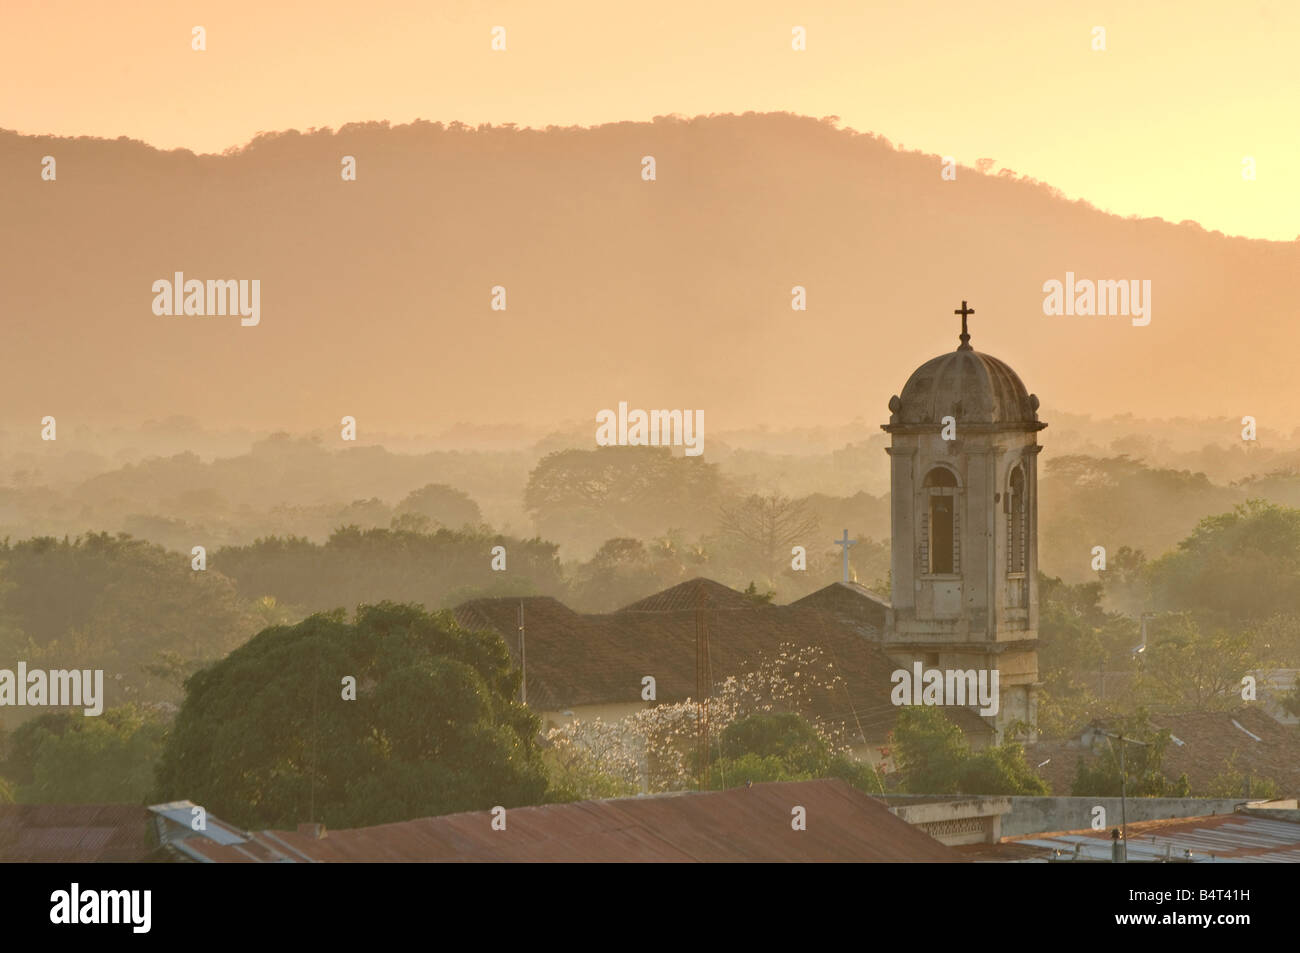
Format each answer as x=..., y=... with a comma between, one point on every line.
x=1080, y=643
x=1237, y=566
x=117, y=604
x=265, y=737
x=782, y=746
x=934, y=757
x=1000, y=769
x=69, y=758
x=1184, y=668
x=1232, y=782
x=1100, y=776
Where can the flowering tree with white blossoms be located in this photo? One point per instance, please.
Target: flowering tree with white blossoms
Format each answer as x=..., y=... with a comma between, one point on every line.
x=656, y=749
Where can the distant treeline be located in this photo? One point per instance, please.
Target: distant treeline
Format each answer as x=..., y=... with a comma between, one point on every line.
x=581, y=498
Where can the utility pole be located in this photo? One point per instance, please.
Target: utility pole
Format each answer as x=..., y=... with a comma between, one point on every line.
x=703, y=689
x=1123, y=799
x=1123, y=788
x=523, y=658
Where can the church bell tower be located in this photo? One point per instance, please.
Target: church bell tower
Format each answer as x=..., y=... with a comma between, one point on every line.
x=964, y=478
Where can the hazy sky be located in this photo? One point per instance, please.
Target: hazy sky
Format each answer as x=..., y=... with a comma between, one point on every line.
x=1157, y=125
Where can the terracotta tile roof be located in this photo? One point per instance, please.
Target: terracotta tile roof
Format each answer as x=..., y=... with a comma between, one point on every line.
x=741, y=824
x=1211, y=738
x=576, y=660
x=1208, y=739
x=1062, y=759
x=851, y=601
x=73, y=833
x=693, y=594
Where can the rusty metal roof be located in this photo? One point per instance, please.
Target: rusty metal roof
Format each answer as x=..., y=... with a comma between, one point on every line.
x=73, y=833
x=741, y=824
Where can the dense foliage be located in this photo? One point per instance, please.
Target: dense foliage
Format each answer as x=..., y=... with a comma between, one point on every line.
x=934, y=757
x=267, y=737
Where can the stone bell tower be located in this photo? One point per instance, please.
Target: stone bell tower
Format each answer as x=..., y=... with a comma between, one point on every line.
x=964, y=478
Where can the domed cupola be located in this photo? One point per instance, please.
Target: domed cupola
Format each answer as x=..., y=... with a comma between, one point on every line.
x=973, y=388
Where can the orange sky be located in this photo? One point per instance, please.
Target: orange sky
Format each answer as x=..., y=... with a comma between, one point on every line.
x=1157, y=125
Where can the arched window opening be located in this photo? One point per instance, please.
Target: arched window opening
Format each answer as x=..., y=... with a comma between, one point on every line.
x=1017, y=523
x=940, y=543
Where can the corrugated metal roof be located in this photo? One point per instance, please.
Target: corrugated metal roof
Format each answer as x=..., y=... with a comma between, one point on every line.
x=73, y=833
x=181, y=814
x=1226, y=838
x=742, y=824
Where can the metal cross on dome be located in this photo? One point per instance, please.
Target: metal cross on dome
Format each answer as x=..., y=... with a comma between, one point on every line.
x=965, y=335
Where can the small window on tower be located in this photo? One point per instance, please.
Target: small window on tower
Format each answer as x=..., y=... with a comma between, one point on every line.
x=940, y=550
x=941, y=534
x=1017, y=528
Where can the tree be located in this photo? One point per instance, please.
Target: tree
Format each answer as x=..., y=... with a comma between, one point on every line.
x=1232, y=782
x=929, y=751
x=1079, y=643
x=783, y=746
x=1237, y=566
x=1000, y=769
x=766, y=527
x=1066, y=704
x=657, y=747
x=592, y=761
x=785, y=736
x=583, y=497
x=69, y=758
x=265, y=737
x=1100, y=777
x=624, y=570
x=442, y=505
x=1086, y=500
x=1125, y=580
x=934, y=757
x=1187, y=669
x=436, y=569
x=116, y=603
